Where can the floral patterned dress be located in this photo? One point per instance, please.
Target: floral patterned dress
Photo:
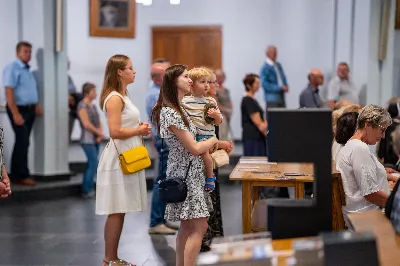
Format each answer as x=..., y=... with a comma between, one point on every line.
x=198, y=203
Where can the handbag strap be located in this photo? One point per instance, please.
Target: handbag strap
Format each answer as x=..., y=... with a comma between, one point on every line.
x=162, y=156
x=116, y=145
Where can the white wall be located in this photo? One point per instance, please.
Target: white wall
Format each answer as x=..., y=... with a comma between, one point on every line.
x=13, y=29
x=33, y=21
x=302, y=30
x=244, y=41
x=8, y=16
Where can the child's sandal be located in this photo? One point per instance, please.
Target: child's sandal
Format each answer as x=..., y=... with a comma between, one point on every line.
x=209, y=187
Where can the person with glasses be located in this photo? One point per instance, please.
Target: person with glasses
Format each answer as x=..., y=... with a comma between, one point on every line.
x=365, y=180
x=215, y=227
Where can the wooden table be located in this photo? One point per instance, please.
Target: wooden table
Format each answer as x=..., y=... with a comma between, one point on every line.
x=284, y=246
x=251, y=181
x=388, y=243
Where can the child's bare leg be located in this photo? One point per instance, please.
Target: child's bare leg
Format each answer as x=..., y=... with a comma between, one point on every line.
x=208, y=164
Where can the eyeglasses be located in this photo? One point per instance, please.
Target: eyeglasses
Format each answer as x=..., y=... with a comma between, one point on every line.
x=382, y=129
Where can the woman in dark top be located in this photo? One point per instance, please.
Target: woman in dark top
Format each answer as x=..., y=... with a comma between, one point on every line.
x=254, y=127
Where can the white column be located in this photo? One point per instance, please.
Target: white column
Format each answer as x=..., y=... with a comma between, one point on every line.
x=380, y=74
x=388, y=65
x=49, y=152
x=343, y=31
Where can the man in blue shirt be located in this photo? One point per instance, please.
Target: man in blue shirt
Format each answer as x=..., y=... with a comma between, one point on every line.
x=158, y=225
x=273, y=80
x=22, y=108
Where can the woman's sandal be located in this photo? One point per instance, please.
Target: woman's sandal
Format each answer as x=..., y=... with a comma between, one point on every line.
x=117, y=262
x=209, y=187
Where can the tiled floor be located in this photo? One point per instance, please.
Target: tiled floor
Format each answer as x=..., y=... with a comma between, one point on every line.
x=66, y=232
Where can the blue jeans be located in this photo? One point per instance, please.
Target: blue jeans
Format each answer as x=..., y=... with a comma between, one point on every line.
x=92, y=154
x=157, y=206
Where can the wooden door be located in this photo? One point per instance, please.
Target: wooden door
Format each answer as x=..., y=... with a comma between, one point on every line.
x=192, y=46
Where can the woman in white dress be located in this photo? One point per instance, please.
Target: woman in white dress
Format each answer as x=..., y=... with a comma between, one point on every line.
x=116, y=193
x=364, y=178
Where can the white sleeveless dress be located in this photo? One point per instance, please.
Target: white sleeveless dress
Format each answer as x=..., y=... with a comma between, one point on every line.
x=116, y=192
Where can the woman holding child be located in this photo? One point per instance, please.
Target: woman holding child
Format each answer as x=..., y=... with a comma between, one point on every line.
x=179, y=132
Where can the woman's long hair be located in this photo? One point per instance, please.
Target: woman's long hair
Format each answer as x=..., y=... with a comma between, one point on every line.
x=169, y=95
x=112, y=82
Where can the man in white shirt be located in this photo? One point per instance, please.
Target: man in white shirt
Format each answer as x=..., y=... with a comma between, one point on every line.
x=341, y=88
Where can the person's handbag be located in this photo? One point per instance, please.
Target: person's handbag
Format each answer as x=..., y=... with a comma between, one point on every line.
x=134, y=160
x=392, y=208
x=173, y=190
x=220, y=158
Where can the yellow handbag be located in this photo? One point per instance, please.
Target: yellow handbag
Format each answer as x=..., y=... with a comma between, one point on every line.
x=134, y=160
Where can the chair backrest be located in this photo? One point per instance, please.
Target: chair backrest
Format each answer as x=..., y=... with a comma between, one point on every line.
x=338, y=200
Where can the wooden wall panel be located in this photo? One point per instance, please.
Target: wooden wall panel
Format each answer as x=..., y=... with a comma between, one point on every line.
x=192, y=46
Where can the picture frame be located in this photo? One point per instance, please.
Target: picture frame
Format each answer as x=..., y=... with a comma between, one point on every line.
x=112, y=18
x=397, y=15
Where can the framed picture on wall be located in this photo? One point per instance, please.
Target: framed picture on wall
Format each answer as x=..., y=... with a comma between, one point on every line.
x=113, y=18
x=397, y=15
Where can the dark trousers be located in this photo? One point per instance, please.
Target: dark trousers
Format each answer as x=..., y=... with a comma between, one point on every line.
x=281, y=104
x=157, y=206
x=254, y=147
x=19, y=159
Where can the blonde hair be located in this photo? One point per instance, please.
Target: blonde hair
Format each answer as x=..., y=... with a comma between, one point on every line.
x=374, y=116
x=209, y=70
x=197, y=73
x=112, y=82
x=344, y=109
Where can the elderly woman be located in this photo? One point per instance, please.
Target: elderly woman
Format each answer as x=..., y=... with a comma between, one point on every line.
x=364, y=177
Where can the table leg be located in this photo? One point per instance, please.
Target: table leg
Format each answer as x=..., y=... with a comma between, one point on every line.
x=254, y=195
x=299, y=190
x=246, y=207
